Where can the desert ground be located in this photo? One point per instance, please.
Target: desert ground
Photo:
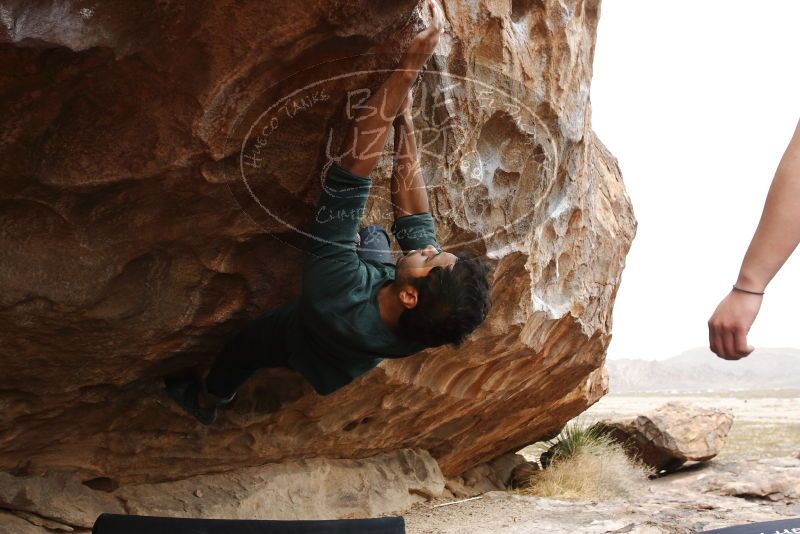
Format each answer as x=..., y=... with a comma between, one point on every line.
x=765, y=433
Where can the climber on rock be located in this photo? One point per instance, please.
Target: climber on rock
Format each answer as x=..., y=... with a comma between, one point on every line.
x=358, y=305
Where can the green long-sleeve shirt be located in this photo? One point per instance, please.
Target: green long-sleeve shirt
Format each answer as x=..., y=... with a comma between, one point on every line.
x=336, y=331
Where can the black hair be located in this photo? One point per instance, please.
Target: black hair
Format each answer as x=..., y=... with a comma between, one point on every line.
x=451, y=303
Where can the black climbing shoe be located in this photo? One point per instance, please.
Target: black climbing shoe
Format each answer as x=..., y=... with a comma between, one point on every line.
x=184, y=390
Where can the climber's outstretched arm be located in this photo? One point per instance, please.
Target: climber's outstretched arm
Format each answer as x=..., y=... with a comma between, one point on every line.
x=367, y=132
x=413, y=226
x=775, y=239
x=409, y=193
x=369, y=128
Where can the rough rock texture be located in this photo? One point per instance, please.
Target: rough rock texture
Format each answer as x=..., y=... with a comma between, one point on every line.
x=16, y=524
x=776, y=479
x=304, y=489
x=672, y=434
x=491, y=476
x=60, y=496
x=132, y=247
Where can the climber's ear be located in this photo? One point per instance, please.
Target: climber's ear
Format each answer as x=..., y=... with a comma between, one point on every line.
x=408, y=296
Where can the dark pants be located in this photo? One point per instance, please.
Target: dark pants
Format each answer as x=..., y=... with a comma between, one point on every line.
x=262, y=343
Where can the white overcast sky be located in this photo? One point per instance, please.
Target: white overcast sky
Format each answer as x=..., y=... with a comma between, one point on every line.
x=697, y=99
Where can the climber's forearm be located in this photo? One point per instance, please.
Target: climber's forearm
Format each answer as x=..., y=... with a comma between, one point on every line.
x=409, y=193
x=367, y=132
x=778, y=232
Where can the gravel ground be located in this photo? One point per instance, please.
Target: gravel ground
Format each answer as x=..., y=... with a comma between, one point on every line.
x=766, y=425
x=662, y=509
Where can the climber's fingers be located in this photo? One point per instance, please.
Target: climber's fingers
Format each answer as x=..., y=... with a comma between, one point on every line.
x=424, y=43
x=435, y=22
x=437, y=17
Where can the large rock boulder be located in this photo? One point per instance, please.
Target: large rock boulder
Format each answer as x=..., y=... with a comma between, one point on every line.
x=316, y=488
x=672, y=434
x=145, y=214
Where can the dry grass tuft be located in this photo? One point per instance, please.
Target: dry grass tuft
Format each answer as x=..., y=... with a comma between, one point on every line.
x=588, y=465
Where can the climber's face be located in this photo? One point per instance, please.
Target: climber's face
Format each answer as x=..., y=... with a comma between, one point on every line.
x=418, y=263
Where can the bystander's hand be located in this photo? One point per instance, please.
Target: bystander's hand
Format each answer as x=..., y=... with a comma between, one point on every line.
x=730, y=323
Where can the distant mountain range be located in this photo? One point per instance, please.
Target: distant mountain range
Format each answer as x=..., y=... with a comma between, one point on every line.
x=701, y=370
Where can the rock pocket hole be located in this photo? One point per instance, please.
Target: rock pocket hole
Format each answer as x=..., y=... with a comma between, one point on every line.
x=520, y=8
x=266, y=401
x=102, y=484
x=352, y=424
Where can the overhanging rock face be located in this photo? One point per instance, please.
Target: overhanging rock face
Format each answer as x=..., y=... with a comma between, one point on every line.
x=149, y=208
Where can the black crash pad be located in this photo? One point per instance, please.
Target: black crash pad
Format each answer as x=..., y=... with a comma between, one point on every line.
x=137, y=524
x=784, y=526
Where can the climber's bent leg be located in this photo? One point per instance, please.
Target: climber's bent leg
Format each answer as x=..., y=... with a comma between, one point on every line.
x=260, y=344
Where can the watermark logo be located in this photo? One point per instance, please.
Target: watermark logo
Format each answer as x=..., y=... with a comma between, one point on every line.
x=480, y=146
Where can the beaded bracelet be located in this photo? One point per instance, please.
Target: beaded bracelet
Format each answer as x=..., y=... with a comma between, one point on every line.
x=747, y=291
